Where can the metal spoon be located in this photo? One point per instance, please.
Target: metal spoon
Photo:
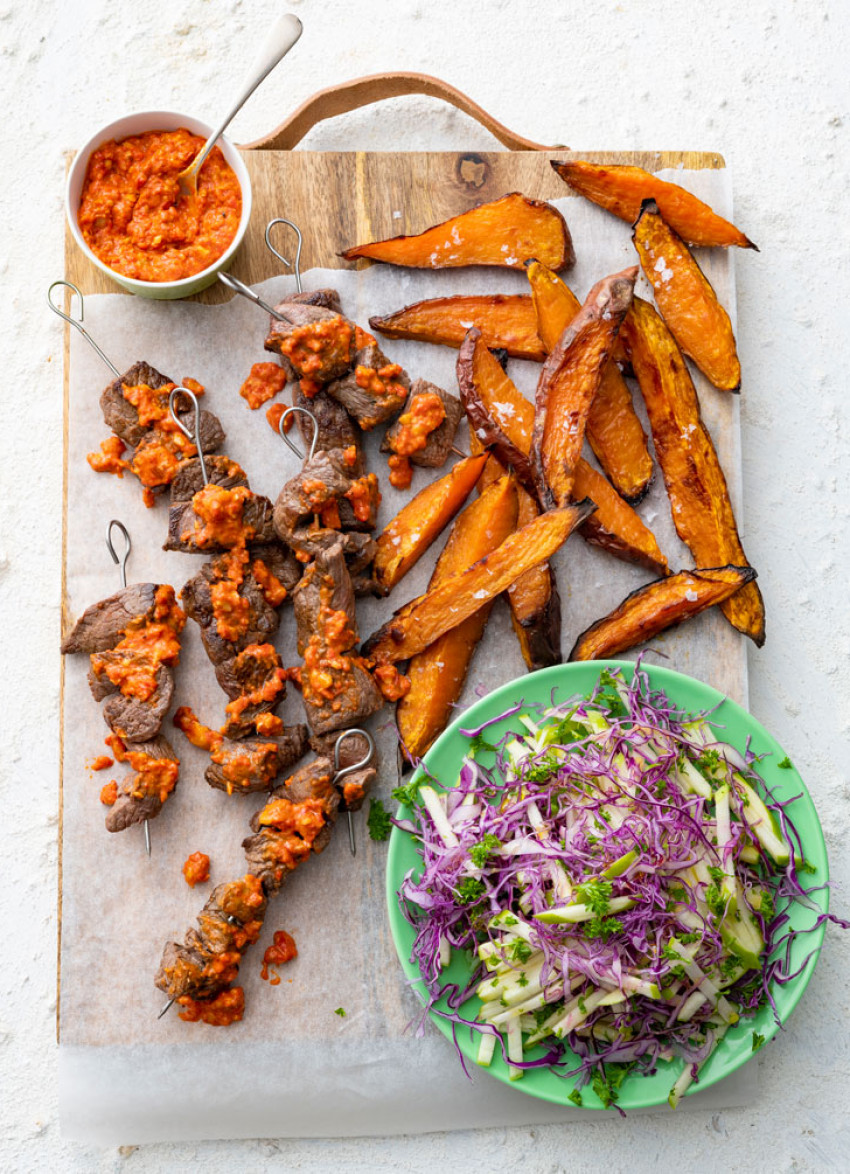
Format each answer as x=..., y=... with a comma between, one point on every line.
x=279, y=40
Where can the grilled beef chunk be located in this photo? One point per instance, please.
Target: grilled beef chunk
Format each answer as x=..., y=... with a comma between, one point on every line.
x=324, y=488
x=351, y=697
x=183, y=521
x=328, y=298
x=132, y=718
x=209, y=959
x=197, y=600
x=374, y=391
x=440, y=441
x=320, y=483
x=297, y=820
x=141, y=799
x=336, y=689
x=123, y=418
x=253, y=764
x=221, y=470
x=353, y=788
x=280, y=561
x=326, y=586
x=336, y=428
x=101, y=626
x=255, y=682
x=332, y=359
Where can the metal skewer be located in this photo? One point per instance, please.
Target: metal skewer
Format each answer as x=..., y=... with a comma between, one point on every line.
x=290, y=444
x=239, y=287
x=297, y=267
x=121, y=562
x=338, y=774
x=195, y=434
x=77, y=323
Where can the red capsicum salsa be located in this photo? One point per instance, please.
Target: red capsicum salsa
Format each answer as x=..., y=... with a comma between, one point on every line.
x=134, y=219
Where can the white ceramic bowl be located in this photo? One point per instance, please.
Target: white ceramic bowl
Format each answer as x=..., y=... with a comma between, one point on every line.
x=134, y=124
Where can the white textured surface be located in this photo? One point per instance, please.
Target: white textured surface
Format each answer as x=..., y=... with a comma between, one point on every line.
x=764, y=83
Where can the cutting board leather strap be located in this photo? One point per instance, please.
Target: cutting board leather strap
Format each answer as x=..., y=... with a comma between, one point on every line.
x=363, y=91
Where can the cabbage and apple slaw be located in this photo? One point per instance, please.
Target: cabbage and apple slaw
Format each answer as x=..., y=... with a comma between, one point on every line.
x=622, y=880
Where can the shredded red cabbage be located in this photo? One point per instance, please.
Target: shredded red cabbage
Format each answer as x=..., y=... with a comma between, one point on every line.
x=552, y=827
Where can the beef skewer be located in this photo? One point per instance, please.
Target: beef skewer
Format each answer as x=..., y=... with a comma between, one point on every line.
x=295, y=823
x=336, y=688
x=134, y=677
x=132, y=406
x=121, y=563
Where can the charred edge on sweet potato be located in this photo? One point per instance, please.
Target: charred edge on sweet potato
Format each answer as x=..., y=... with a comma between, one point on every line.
x=699, y=497
x=487, y=393
x=568, y=383
x=658, y=606
x=614, y=432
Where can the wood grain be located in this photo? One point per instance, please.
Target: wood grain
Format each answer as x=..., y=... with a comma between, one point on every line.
x=339, y=199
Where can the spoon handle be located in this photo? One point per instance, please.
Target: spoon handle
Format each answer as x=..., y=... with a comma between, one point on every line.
x=279, y=40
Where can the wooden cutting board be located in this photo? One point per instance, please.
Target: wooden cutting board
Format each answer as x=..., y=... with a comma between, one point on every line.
x=340, y=198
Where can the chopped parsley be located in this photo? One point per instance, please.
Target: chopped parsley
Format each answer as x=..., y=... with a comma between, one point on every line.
x=469, y=891
x=595, y=894
x=575, y=1097
x=540, y=771
x=568, y=731
x=378, y=821
x=409, y=794
x=522, y=980
x=608, y=697
x=758, y=1040
x=479, y=852
x=602, y=927
x=519, y=951
x=606, y=1084
x=479, y=742
x=340, y=1011
x=785, y=764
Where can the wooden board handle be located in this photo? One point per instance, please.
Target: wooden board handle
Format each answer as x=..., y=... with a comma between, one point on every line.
x=363, y=91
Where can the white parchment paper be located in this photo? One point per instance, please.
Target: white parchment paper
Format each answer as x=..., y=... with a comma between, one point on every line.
x=292, y=1067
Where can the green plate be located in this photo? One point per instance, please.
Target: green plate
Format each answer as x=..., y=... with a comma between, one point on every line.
x=443, y=761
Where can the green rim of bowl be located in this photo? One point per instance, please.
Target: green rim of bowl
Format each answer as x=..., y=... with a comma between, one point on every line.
x=443, y=762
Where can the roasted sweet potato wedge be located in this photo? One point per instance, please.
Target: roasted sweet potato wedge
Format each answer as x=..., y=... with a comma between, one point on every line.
x=501, y=418
x=420, y=622
x=503, y=232
x=686, y=299
x=568, y=384
x=657, y=606
x=535, y=603
x=613, y=430
x=621, y=189
x=506, y=321
x=696, y=486
x=533, y=599
x=615, y=526
x=403, y=542
x=437, y=674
